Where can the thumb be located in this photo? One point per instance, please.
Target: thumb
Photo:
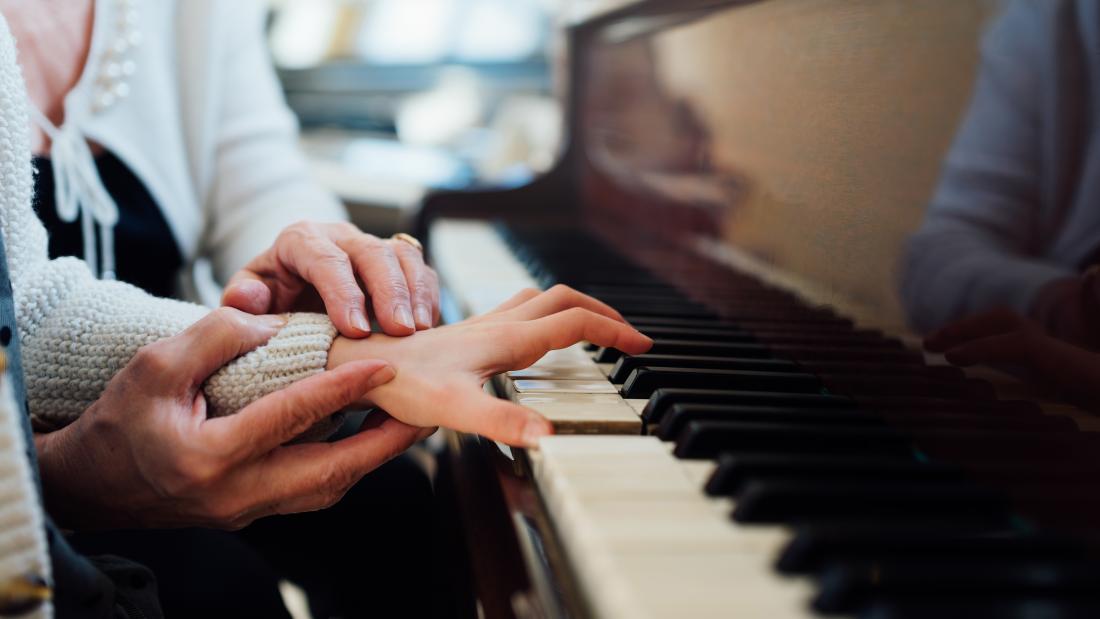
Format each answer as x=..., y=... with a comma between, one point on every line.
x=248, y=293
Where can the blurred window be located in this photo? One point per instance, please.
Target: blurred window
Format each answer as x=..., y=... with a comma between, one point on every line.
x=432, y=31
x=423, y=93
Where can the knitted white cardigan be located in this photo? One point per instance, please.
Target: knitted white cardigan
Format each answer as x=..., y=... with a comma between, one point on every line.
x=77, y=332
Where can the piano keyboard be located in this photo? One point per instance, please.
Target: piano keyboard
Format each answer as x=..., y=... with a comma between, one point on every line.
x=777, y=461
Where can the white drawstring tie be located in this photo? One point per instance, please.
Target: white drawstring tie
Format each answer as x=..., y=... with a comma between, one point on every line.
x=80, y=192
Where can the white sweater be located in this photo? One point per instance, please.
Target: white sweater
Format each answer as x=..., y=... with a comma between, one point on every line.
x=77, y=332
x=204, y=106
x=205, y=128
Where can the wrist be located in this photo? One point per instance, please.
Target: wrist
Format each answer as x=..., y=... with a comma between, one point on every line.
x=345, y=350
x=65, y=490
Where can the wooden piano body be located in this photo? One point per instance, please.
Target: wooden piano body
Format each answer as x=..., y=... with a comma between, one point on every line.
x=787, y=143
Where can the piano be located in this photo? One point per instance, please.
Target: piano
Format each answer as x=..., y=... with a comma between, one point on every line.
x=738, y=181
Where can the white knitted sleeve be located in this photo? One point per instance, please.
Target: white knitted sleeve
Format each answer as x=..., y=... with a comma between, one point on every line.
x=77, y=331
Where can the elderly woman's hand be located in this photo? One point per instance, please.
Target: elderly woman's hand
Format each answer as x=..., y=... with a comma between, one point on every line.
x=146, y=454
x=440, y=372
x=315, y=264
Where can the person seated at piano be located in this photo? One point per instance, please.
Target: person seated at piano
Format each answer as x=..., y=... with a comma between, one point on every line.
x=155, y=430
x=1014, y=220
x=300, y=267
x=161, y=138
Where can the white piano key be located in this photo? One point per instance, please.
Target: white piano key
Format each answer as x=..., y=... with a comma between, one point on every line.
x=584, y=414
x=558, y=373
x=705, y=585
x=646, y=540
x=524, y=386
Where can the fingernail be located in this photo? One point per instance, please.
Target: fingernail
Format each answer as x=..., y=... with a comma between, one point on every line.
x=382, y=376
x=403, y=317
x=423, y=316
x=273, y=321
x=358, y=320
x=251, y=287
x=534, y=429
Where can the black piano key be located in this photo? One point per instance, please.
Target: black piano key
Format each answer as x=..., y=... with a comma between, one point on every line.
x=784, y=501
x=654, y=288
x=739, y=334
x=679, y=415
x=847, y=586
x=983, y=607
x=607, y=355
x=908, y=385
x=916, y=421
x=855, y=339
x=664, y=309
x=628, y=363
x=746, y=314
x=813, y=325
x=728, y=334
x=673, y=421
x=815, y=545
x=660, y=297
x=694, y=348
x=783, y=351
x=929, y=404
x=706, y=439
x=643, y=381
x=735, y=472
x=845, y=353
x=857, y=368
x=663, y=399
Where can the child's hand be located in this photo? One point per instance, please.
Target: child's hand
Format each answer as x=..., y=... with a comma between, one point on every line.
x=440, y=372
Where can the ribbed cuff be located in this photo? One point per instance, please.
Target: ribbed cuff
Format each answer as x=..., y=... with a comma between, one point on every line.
x=298, y=351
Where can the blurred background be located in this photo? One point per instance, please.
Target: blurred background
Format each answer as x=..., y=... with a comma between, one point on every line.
x=397, y=97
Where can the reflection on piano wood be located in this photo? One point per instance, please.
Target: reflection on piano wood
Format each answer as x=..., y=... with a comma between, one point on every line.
x=783, y=450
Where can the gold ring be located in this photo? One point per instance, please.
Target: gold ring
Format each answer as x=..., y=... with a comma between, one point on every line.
x=410, y=239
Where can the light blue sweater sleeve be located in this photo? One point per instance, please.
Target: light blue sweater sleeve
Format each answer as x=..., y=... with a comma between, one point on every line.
x=979, y=245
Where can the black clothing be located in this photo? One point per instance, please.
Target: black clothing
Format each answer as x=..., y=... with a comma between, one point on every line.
x=146, y=252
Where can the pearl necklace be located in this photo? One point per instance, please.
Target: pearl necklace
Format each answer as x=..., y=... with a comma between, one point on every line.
x=117, y=64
